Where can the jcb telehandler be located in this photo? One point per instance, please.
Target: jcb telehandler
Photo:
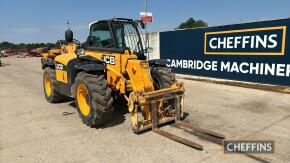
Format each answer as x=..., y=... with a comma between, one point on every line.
x=112, y=66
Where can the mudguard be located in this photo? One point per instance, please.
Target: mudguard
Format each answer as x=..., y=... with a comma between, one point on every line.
x=90, y=67
x=85, y=63
x=158, y=62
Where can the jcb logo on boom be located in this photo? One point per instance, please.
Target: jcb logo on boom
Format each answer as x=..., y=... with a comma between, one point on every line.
x=109, y=59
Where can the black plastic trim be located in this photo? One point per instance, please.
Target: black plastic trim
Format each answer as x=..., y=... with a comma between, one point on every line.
x=112, y=50
x=64, y=88
x=84, y=63
x=47, y=63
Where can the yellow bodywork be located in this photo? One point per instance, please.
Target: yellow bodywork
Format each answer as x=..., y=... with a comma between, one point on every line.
x=128, y=76
x=63, y=55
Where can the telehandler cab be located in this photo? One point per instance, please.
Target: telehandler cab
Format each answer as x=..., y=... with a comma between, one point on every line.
x=112, y=66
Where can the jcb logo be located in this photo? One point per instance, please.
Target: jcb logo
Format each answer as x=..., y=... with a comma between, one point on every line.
x=59, y=66
x=109, y=59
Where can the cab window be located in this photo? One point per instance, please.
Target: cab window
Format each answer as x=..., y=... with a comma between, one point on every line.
x=127, y=36
x=101, y=36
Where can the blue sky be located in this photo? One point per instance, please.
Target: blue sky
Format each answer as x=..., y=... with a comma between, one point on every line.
x=45, y=21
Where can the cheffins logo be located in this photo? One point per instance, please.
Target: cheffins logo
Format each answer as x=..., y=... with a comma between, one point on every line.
x=255, y=41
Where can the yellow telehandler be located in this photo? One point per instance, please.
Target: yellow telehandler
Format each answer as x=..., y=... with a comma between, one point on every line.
x=111, y=66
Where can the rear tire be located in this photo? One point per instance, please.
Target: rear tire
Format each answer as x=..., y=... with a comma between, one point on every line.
x=162, y=77
x=93, y=99
x=49, y=87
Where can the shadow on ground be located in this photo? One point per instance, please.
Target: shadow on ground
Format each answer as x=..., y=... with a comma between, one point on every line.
x=118, y=117
x=4, y=64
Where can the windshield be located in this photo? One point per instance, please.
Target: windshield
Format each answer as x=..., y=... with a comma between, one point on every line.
x=101, y=35
x=127, y=36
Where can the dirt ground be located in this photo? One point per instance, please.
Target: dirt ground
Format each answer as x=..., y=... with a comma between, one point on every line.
x=33, y=130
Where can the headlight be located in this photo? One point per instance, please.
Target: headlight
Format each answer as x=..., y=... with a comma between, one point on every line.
x=80, y=52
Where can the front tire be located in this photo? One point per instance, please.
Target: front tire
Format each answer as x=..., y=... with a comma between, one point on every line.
x=93, y=99
x=162, y=77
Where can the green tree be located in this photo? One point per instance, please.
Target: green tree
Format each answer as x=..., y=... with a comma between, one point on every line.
x=191, y=23
x=29, y=46
x=5, y=44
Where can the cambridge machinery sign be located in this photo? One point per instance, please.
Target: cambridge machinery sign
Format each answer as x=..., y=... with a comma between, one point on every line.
x=254, y=52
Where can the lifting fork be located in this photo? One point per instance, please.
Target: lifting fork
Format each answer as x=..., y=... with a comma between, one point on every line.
x=178, y=104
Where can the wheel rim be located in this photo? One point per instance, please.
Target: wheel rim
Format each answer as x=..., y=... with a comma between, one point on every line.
x=83, y=99
x=47, y=85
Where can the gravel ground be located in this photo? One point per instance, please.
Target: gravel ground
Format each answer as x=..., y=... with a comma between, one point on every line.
x=33, y=130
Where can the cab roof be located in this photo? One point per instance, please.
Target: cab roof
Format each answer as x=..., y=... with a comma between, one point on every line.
x=112, y=20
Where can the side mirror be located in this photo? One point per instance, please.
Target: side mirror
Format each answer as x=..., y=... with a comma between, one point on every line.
x=69, y=36
x=149, y=50
x=142, y=24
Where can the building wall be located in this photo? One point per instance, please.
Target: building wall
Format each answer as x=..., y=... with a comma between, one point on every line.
x=154, y=42
x=253, y=52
